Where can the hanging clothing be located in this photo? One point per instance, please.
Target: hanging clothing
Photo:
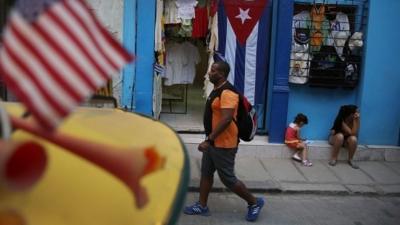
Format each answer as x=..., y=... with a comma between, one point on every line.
x=186, y=9
x=319, y=27
x=159, y=29
x=171, y=12
x=208, y=86
x=157, y=96
x=299, y=64
x=181, y=63
x=186, y=28
x=340, y=32
x=300, y=57
x=200, y=23
x=213, y=42
x=213, y=7
x=301, y=20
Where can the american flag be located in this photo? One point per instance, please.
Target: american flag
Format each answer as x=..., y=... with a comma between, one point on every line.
x=55, y=53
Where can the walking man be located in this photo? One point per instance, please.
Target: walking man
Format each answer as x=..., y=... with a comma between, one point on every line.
x=221, y=144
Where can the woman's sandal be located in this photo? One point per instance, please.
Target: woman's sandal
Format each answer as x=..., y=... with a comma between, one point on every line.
x=353, y=164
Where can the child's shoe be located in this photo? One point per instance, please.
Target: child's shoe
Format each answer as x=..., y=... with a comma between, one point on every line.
x=307, y=163
x=296, y=157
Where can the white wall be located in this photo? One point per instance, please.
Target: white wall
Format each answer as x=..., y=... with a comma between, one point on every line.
x=110, y=13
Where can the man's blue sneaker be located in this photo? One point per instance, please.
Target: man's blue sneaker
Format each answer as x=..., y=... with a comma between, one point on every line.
x=254, y=210
x=197, y=209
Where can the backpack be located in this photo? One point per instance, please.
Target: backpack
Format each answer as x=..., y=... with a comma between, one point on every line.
x=246, y=118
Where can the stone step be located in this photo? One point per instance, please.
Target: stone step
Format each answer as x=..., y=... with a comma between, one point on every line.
x=319, y=150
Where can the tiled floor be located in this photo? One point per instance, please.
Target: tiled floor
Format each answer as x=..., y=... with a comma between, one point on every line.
x=192, y=120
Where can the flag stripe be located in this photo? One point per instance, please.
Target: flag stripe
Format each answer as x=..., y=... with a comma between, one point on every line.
x=250, y=65
x=12, y=41
x=108, y=38
x=263, y=42
x=222, y=31
x=27, y=62
x=240, y=66
x=42, y=49
x=23, y=77
x=87, y=27
x=62, y=42
x=83, y=40
x=230, y=51
x=87, y=21
x=26, y=92
x=57, y=55
x=41, y=61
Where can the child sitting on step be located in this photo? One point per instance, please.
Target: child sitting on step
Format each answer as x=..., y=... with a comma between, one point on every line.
x=293, y=140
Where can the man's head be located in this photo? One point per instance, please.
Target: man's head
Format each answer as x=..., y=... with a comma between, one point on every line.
x=219, y=72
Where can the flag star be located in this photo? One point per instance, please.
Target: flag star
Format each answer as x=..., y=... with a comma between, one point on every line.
x=243, y=15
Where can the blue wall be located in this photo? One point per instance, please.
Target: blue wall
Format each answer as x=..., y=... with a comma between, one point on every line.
x=129, y=40
x=320, y=105
x=380, y=92
x=139, y=25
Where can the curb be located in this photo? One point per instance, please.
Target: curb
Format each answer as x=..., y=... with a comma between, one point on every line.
x=272, y=189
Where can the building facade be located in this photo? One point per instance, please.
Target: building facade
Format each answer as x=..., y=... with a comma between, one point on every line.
x=375, y=93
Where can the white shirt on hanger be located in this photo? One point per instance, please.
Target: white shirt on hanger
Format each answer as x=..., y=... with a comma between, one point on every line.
x=186, y=9
x=181, y=63
x=171, y=12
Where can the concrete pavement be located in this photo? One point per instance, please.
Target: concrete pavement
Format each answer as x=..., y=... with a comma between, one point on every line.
x=281, y=209
x=269, y=168
x=288, y=176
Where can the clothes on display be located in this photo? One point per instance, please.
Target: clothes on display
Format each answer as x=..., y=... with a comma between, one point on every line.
x=339, y=32
x=181, y=63
x=319, y=27
x=299, y=63
x=300, y=57
x=200, y=23
x=186, y=9
x=324, y=51
x=171, y=12
x=159, y=28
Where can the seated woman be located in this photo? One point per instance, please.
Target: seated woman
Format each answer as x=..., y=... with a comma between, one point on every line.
x=344, y=133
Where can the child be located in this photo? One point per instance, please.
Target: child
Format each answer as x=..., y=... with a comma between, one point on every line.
x=293, y=140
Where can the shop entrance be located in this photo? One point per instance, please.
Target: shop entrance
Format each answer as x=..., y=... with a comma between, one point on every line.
x=183, y=102
x=180, y=92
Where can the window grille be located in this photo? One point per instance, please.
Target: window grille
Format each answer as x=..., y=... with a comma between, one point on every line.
x=327, y=42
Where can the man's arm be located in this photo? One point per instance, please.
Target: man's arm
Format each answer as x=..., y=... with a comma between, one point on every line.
x=227, y=117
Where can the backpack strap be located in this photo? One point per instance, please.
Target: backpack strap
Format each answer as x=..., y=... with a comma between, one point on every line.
x=207, y=118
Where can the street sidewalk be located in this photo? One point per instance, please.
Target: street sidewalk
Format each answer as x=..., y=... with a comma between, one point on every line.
x=277, y=172
x=288, y=176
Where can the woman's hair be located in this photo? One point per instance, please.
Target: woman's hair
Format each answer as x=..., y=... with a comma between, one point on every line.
x=300, y=118
x=344, y=112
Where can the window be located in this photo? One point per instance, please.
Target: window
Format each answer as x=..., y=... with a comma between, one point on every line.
x=327, y=43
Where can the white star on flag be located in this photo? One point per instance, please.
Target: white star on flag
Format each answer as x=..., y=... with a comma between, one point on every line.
x=243, y=15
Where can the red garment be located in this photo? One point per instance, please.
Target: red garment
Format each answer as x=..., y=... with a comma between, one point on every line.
x=200, y=23
x=213, y=7
x=291, y=138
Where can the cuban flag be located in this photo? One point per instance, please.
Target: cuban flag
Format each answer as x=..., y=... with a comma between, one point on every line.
x=243, y=33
